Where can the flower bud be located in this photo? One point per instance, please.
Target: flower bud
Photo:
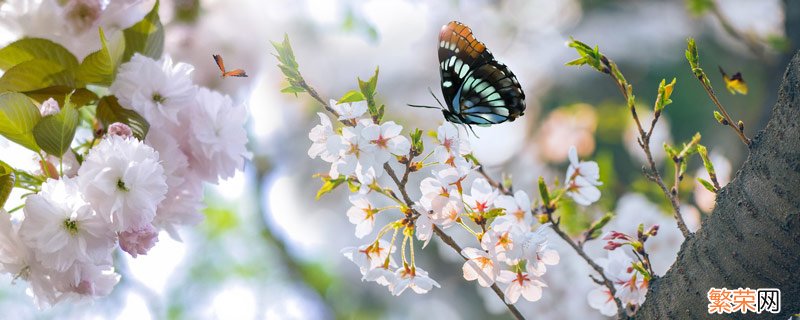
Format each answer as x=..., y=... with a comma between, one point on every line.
x=120, y=129
x=49, y=107
x=138, y=241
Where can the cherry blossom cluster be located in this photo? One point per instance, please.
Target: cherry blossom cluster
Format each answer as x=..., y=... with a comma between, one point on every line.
x=512, y=247
x=629, y=271
x=115, y=190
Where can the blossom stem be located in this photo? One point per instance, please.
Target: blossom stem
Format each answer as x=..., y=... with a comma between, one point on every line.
x=644, y=141
x=466, y=227
x=556, y=226
x=728, y=119
x=492, y=182
x=449, y=240
x=411, y=245
x=401, y=186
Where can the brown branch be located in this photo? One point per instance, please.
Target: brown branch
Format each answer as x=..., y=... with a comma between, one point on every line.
x=749, y=42
x=752, y=238
x=597, y=268
x=401, y=186
x=728, y=120
x=644, y=142
x=446, y=238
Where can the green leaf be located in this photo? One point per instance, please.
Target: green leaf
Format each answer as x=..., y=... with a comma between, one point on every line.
x=100, y=66
x=351, y=96
x=293, y=89
x=596, y=229
x=79, y=97
x=329, y=185
x=145, y=37
x=285, y=53
x=109, y=111
x=368, y=87
x=36, y=74
x=778, y=43
x=577, y=62
x=543, y=192
x=707, y=185
x=691, y=54
x=18, y=117
x=493, y=213
x=36, y=49
x=7, y=179
x=416, y=141
x=699, y=7
x=54, y=133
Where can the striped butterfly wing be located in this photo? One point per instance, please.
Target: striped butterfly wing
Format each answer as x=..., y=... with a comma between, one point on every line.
x=477, y=88
x=491, y=95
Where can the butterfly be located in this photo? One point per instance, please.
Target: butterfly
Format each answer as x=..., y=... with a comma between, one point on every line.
x=477, y=88
x=225, y=74
x=734, y=84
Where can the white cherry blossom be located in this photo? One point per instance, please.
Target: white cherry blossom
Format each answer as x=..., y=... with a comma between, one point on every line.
x=323, y=143
x=414, y=278
x=386, y=140
x=522, y=284
x=362, y=214
x=450, y=143
x=217, y=143
x=518, y=210
x=582, y=179
x=62, y=228
x=123, y=181
x=156, y=89
x=600, y=298
x=349, y=110
x=369, y=256
x=481, y=265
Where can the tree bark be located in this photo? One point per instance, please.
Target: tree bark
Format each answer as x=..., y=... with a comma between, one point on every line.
x=752, y=239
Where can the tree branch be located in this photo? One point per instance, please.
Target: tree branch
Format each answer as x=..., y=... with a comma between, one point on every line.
x=752, y=239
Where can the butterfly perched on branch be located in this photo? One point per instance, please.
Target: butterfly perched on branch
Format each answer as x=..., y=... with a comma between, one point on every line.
x=225, y=74
x=477, y=88
x=734, y=84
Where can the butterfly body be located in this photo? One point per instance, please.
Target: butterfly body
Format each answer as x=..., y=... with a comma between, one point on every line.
x=225, y=74
x=735, y=84
x=477, y=88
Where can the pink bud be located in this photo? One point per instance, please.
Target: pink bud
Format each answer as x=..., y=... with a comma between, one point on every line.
x=138, y=241
x=653, y=230
x=612, y=245
x=120, y=129
x=49, y=107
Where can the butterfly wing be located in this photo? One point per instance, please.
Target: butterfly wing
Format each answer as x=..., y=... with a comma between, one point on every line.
x=220, y=63
x=734, y=84
x=477, y=89
x=459, y=53
x=235, y=73
x=491, y=95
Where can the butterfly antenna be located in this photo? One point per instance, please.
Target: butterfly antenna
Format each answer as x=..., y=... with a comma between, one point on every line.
x=473, y=131
x=434, y=97
x=421, y=106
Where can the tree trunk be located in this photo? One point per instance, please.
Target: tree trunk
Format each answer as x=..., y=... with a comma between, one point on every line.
x=752, y=239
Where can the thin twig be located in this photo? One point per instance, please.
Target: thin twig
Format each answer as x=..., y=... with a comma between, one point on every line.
x=452, y=243
x=728, y=119
x=446, y=238
x=401, y=186
x=749, y=42
x=556, y=226
x=644, y=142
x=492, y=182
